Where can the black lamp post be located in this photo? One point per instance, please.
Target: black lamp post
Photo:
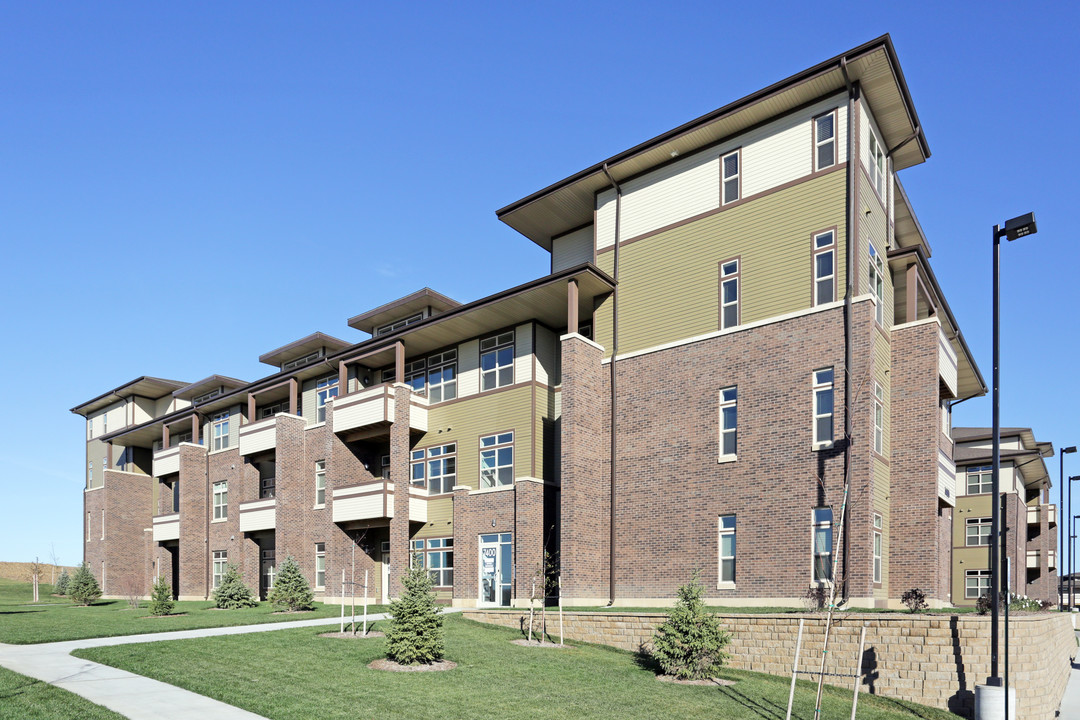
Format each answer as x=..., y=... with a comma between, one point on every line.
x=1018, y=227
x=1061, y=547
x=1072, y=546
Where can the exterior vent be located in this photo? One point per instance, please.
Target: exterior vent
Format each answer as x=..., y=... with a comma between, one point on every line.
x=206, y=396
x=306, y=360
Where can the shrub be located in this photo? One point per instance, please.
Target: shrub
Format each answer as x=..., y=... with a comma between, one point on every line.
x=1024, y=603
x=815, y=597
x=232, y=593
x=690, y=644
x=83, y=588
x=1046, y=605
x=415, y=633
x=291, y=590
x=62, y=582
x=915, y=599
x=161, y=600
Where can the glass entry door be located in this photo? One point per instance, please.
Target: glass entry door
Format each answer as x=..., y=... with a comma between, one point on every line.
x=495, y=570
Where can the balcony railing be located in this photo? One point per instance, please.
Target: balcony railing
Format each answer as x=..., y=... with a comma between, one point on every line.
x=375, y=405
x=375, y=501
x=258, y=436
x=258, y=515
x=946, y=478
x=947, y=362
x=166, y=527
x=167, y=461
x=1035, y=512
x=1051, y=559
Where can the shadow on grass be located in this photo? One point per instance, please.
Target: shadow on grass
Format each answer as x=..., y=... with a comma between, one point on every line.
x=21, y=689
x=762, y=707
x=18, y=612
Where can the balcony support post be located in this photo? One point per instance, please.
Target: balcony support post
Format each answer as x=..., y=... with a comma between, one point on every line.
x=195, y=429
x=572, y=306
x=342, y=378
x=399, y=361
x=292, y=396
x=164, y=436
x=912, y=293
x=251, y=408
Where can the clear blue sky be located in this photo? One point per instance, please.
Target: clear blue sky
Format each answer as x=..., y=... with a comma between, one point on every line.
x=185, y=187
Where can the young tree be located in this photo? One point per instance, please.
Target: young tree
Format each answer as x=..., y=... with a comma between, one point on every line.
x=415, y=633
x=83, y=588
x=690, y=644
x=161, y=600
x=232, y=593
x=62, y=583
x=35, y=576
x=291, y=589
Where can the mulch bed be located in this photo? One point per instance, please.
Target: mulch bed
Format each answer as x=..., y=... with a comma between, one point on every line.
x=537, y=643
x=390, y=665
x=158, y=617
x=707, y=681
x=349, y=636
x=292, y=612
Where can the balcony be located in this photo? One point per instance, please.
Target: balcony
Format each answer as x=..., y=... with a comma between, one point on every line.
x=375, y=501
x=946, y=479
x=373, y=407
x=258, y=436
x=166, y=527
x=167, y=461
x=1051, y=514
x=947, y=365
x=1034, y=512
x=258, y=515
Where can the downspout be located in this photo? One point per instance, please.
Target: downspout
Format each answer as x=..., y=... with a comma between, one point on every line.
x=849, y=261
x=614, y=354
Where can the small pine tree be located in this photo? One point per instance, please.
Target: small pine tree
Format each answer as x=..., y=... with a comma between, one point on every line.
x=291, y=589
x=415, y=633
x=161, y=600
x=690, y=644
x=83, y=588
x=232, y=593
x=62, y=583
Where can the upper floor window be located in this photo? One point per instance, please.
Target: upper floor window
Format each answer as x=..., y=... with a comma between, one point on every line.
x=399, y=324
x=729, y=294
x=497, y=460
x=728, y=422
x=221, y=500
x=879, y=419
x=442, y=376
x=90, y=474
x=823, y=407
x=497, y=361
x=980, y=479
x=325, y=389
x=825, y=140
x=269, y=411
x=435, y=467
x=219, y=430
x=824, y=252
x=727, y=550
x=320, y=482
x=267, y=487
x=977, y=531
x=877, y=165
x=731, y=165
x=822, y=551
x=877, y=283
x=415, y=374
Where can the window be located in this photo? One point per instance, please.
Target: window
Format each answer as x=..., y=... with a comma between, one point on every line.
x=442, y=376
x=102, y=524
x=221, y=500
x=415, y=375
x=822, y=544
x=88, y=526
x=320, y=483
x=221, y=559
x=497, y=361
x=824, y=252
x=727, y=550
x=729, y=294
x=270, y=411
x=980, y=479
x=825, y=140
x=384, y=467
x=877, y=548
x=220, y=430
x=497, y=460
x=90, y=474
x=978, y=532
x=879, y=419
x=267, y=487
x=320, y=565
x=946, y=419
x=976, y=584
x=877, y=165
x=437, y=555
x=877, y=283
x=325, y=389
x=436, y=467
x=823, y=407
x=732, y=176
x=728, y=422
x=399, y=324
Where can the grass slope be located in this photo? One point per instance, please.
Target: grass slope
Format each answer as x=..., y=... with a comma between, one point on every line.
x=294, y=674
x=22, y=697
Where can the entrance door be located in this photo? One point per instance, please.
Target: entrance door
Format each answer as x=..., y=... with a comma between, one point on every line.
x=266, y=571
x=495, y=570
x=384, y=585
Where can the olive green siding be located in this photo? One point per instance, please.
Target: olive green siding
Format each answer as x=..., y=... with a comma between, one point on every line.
x=967, y=558
x=873, y=227
x=668, y=283
x=881, y=470
x=440, y=519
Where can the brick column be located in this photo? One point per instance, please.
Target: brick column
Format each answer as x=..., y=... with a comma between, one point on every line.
x=399, y=475
x=529, y=536
x=295, y=495
x=194, y=552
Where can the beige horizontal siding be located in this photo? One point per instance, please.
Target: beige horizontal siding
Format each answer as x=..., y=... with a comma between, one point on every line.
x=572, y=250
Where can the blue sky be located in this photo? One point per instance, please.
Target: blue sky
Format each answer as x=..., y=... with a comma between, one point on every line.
x=183, y=188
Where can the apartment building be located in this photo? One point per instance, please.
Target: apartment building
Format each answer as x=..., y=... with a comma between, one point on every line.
x=1029, y=550
x=739, y=315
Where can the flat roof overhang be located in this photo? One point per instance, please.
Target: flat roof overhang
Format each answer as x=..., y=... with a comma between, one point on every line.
x=569, y=203
x=208, y=384
x=145, y=386
x=424, y=298
x=304, y=347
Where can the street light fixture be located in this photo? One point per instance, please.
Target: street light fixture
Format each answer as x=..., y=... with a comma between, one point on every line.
x=1015, y=228
x=1061, y=492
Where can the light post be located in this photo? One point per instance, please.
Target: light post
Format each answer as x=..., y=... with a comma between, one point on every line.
x=1017, y=227
x=1061, y=492
x=1072, y=547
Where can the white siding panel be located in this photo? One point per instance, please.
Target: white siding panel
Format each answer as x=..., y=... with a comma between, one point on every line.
x=468, y=368
x=262, y=515
x=946, y=479
x=572, y=250
x=523, y=353
x=258, y=436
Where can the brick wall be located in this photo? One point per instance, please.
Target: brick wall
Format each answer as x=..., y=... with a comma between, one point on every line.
x=194, y=553
x=400, y=444
x=128, y=506
x=935, y=660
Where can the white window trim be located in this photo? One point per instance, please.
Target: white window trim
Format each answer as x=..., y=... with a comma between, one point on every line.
x=498, y=342
x=720, y=557
x=440, y=361
x=819, y=143
x=495, y=447
x=320, y=472
x=815, y=525
x=979, y=575
x=978, y=470
x=832, y=276
x=879, y=419
x=216, y=506
x=220, y=558
x=820, y=387
x=876, y=280
x=735, y=277
x=219, y=440
x=736, y=176
x=320, y=555
x=983, y=527
x=878, y=550
x=324, y=386
x=724, y=404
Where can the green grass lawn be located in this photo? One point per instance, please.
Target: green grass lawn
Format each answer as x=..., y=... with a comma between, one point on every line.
x=22, y=697
x=18, y=593
x=296, y=674
x=60, y=619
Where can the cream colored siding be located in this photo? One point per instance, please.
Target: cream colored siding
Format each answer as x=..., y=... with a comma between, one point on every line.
x=572, y=249
x=946, y=479
x=142, y=410
x=308, y=409
x=545, y=356
x=866, y=124
x=523, y=353
x=468, y=381
x=557, y=413
x=773, y=154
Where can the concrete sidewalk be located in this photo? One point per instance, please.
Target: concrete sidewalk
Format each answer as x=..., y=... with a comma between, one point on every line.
x=1070, y=701
x=134, y=696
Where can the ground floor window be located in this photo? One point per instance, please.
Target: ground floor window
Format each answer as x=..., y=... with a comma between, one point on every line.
x=976, y=584
x=727, y=549
x=320, y=565
x=822, y=550
x=221, y=559
x=877, y=548
x=437, y=555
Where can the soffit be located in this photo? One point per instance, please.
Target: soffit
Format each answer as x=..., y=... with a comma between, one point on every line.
x=148, y=387
x=303, y=347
